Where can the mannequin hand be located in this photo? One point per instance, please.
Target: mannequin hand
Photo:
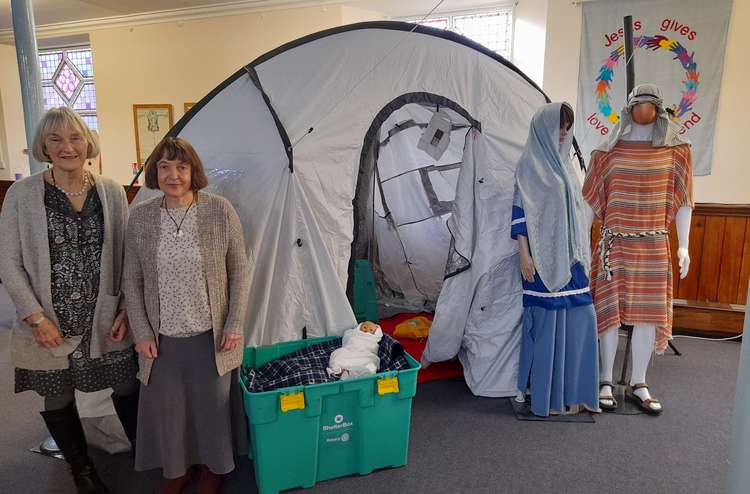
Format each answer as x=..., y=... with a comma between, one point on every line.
x=146, y=348
x=684, y=261
x=527, y=267
x=119, y=327
x=47, y=335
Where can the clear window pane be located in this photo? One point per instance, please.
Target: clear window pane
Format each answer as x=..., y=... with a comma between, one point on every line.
x=443, y=23
x=492, y=30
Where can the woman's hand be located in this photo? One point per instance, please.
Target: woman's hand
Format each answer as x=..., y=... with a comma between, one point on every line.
x=47, y=335
x=119, y=327
x=229, y=341
x=147, y=349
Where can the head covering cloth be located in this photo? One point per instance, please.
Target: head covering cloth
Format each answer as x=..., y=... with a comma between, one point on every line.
x=549, y=191
x=665, y=133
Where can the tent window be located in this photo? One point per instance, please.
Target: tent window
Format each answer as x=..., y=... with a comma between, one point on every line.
x=493, y=29
x=440, y=198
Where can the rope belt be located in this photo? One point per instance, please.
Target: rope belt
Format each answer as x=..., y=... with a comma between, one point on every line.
x=608, y=239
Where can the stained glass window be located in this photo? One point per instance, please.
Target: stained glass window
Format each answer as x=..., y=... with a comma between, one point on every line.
x=52, y=98
x=48, y=63
x=492, y=29
x=68, y=80
x=82, y=60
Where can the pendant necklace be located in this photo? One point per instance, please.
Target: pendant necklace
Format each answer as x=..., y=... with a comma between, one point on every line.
x=178, y=232
x=71, y=194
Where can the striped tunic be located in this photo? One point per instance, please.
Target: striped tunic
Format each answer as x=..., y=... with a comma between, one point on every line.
x=635, y=190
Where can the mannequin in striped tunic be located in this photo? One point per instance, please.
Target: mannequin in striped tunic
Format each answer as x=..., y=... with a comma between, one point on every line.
x=637, y=184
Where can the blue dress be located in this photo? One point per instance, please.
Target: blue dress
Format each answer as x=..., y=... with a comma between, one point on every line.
x=559, y=359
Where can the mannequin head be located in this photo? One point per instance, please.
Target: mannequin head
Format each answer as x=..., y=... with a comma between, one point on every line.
x=566, y=120
x=644, y=113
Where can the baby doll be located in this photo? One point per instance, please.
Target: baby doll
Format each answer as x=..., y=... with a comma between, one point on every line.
x=358, y=355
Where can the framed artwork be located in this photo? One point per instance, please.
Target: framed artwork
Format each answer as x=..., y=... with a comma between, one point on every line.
x=187, y=105
x=152, y=122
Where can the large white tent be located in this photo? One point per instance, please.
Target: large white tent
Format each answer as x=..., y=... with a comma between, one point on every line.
x=315, y=144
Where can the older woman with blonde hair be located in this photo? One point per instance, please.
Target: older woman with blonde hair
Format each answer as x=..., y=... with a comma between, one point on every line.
x=186, y=285
x=62, y=244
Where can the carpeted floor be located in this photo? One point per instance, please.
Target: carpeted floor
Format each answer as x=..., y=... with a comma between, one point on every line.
x=464, y=444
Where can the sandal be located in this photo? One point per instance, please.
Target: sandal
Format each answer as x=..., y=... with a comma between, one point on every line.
x=612, y=406
x=644, y=405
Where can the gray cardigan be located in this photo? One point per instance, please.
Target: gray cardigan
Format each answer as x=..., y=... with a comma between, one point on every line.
x=26, y=273
x=225, y=265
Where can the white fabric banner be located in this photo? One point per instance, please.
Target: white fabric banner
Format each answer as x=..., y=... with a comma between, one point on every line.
x=678, y=45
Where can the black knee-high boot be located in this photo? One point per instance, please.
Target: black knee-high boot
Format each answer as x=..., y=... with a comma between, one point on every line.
x=127, y=411
x=65, y=427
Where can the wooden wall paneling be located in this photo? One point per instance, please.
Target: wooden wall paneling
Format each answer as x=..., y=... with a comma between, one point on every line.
x=713, y=239
x=710, y=319
x=731, y=259
x=4, y=186
x=745, y=269
x=689, y=286
x=131, y=192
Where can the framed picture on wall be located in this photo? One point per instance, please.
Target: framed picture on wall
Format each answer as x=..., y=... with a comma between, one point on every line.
x=152, y=122
x=187, y=106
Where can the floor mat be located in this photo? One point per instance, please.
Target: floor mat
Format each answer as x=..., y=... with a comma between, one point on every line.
x=523, y=412
x=435, y=372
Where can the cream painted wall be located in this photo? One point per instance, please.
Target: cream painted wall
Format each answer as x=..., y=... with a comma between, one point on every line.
x=12, y=133
x=729, y=182
x=180, y=62
x=351, y=15
x=529, y=40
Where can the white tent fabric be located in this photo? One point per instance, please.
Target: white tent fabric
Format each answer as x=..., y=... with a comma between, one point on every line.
x=283, y=138
x=478, y=315
x=415, y=233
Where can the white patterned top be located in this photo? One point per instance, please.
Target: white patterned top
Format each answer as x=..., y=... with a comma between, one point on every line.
x=184, y=308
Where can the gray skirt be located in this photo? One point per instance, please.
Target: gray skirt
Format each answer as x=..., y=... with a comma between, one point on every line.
x=188, y=414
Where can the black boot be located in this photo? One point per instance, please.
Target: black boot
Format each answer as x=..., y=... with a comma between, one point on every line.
x=127, y=411
x=65, y=427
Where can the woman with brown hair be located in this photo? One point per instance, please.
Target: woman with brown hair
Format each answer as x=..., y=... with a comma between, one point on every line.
x=61, y=263
x=186, y=286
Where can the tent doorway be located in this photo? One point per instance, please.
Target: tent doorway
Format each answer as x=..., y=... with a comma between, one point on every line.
x=409, y=168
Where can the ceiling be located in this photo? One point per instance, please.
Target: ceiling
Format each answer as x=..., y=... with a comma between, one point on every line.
x=62, y=11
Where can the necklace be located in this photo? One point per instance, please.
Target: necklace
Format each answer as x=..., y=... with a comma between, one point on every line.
x=178, y=232
x=85, y=186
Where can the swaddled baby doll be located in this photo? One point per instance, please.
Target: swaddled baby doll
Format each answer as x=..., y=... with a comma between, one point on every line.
x=358, y=355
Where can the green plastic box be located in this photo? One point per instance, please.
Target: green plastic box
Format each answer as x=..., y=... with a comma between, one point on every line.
x=365, y=305
x=345, y=428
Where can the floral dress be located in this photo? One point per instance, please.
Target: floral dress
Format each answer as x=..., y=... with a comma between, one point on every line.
x=75, y=245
